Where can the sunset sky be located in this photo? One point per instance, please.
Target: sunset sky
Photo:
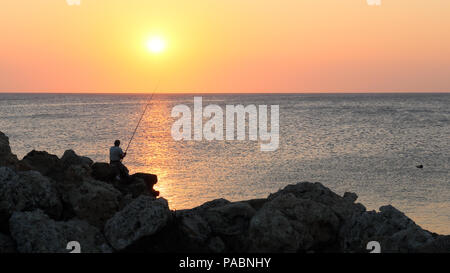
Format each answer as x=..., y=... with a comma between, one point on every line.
x=225, y=46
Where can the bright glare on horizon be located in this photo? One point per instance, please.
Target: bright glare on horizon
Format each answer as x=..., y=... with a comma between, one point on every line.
x=156, y=45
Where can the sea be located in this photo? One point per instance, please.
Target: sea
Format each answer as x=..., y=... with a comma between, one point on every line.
x=369, y=144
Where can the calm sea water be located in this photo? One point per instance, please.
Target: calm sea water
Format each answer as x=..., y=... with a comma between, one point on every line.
x=365, y=143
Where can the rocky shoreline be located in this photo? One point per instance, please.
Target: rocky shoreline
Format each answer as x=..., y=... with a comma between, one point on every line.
x=47, y=202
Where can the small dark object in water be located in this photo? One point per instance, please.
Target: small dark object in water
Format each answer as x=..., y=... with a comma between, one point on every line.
x=420, y=166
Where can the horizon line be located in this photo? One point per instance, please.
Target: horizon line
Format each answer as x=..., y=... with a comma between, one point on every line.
x=222, y=93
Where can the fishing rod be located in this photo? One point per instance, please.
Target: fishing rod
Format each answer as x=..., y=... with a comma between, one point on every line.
x=143, y=113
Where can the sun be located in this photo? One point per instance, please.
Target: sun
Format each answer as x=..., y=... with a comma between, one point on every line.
x=156, y=45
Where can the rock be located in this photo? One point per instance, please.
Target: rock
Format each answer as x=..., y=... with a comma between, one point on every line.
x=149, y=181
x=231, y=219
x=93, y=201
x=26, y=191
x=216, y=245
x=230, y=222
x=256, y=203
x=290, y=224
x=71, y=158
x=350, y=196
x=76, y=174
x=103, y=171
x=134, y=187
x=143, y=217
x=211, y=204
x=343, y=207
x=193, y=233
x=7, y=158
x=35, y=232
x=441, y=244
x=194, y=227
x=7, y=244
x=42, y=162
x=391, y=228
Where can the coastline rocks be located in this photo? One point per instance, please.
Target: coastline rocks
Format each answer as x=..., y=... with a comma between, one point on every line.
x=440, y=245
x=7, y=158
x=42, y=162
x=291, y=224
x=143, y=217
x=390, y=227
x=47, y=202
x=35, y=232
x=7, y=244
x=93, y=201
x=103, y=171
x=25, y=191
x=344, y=207
x=70, y=158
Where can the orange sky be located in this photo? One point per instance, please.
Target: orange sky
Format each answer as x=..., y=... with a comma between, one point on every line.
x=225, y=46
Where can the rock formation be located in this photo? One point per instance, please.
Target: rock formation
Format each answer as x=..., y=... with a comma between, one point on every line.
x=47, y=202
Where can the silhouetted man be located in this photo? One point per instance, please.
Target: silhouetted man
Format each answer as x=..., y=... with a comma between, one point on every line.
x=115, y=156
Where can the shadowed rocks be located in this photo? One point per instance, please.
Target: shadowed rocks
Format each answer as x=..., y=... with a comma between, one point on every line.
x=46, y=202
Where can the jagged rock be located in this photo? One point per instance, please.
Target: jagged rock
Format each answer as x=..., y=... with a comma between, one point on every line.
x=192, y=233
x=42, y=162
x=143, y=217
x=35, y=232
x=216, y=245
x=290, y=224
x=26, y=191
x=76, y=174
x=7, y=158
x=343, y=207
x=71, y=158
x=230, y=222
x=211, y=204
x=194, y=227
x=7, y=244
x=134, y=187
x=256, y=203
x=391, y=228
x=350, y=196
x=93, y=201
x=230, y=219
x=441, y=244
x=103, y=171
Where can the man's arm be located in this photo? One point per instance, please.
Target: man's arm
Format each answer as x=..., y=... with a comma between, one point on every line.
x=122, y=155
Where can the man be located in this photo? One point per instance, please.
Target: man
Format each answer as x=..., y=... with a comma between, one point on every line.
x=115, y=156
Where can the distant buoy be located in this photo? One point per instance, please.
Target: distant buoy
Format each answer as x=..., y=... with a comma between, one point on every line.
x=419, y=166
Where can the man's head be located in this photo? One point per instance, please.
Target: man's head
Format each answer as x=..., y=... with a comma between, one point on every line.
x=117, y=143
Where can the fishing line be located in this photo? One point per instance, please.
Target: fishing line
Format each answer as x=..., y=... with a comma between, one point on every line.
x=143, y=113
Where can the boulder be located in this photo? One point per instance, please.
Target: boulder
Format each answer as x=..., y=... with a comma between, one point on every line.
x=134, y=187
x=7, y=158
x=143, y=217
x=216, y=203
x=26, y=191
x=92, y=201
x=7, y=244
x=71, y=158
x=290, y=224
x=103, y=171
x=230, y=222
x=391, y=228
x=441, y=244
x=35, y=232
x=343, y=207
x=76, y=174
x=42, y=162
x=230, y=219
